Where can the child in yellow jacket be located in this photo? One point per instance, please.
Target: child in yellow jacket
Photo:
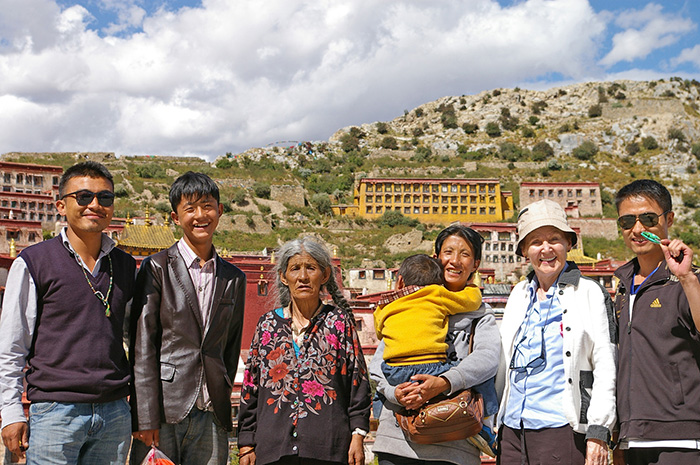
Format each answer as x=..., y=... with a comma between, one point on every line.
x=413, y=319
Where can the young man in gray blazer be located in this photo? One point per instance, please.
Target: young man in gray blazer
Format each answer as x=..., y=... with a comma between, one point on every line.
x=186, y=329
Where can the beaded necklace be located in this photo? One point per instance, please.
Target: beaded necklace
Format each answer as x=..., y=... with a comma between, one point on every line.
x=101, y=297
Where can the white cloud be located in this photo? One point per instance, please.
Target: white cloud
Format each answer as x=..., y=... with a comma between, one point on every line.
x=688, y=55
x=645, y=31
x=232, y=75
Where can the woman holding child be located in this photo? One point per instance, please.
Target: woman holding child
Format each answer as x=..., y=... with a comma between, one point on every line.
x=558, y=336
x=458, y=249
x=305, y=397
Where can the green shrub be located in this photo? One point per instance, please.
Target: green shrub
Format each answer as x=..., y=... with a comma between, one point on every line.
x=419, y=112
x=541, y=151
x=150, y=170
x=395, y=218
x=632, y=148
x=382, y=127
x=389, y=143
x=348, y=142
x=422, y=154
x=677, y=134
x=586, y=151
x=649, y=143
x=417, y=132
x=493, y=130
x=695, y=150
x=533, y=120
x=224, y=163
x=163, y=206
x=691, y=199
x=120, y=190
x=261, y=190
x=528, y=132
x=322, y=203
x=508, y=122
x=537, y=107
x=239, y=197
x=595, y=110
x=470, y=128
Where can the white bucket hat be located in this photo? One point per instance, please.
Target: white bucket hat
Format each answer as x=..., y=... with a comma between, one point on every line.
x=542, y=213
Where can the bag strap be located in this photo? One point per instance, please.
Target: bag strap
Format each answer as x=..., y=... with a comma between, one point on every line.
x=471, y=334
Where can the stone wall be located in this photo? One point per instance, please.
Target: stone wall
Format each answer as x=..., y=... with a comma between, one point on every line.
x=291, y=195
x=596, y=227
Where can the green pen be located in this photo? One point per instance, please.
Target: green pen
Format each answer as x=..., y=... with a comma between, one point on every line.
x=651, y=237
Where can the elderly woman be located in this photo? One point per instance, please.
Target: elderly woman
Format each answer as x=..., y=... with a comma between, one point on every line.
x=305, y=396
x=458, y=249
x=558, y=336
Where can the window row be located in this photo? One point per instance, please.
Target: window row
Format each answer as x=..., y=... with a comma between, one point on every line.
x=512, y=258
x=23, y=205
x=421, y=187
x=27, y=179
x=560, y=192
x=444, y=210
x=388, y=198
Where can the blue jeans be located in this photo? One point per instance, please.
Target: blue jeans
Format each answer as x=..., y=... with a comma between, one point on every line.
x=79, y=433
x=396, y=375
x=196, y=440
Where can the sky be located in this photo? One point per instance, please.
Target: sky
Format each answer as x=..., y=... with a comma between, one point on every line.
x=187, y=77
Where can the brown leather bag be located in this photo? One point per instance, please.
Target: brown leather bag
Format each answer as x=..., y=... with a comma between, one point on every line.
x=445, y=418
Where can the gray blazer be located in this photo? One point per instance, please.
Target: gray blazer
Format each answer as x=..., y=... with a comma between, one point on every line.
x=170, y=352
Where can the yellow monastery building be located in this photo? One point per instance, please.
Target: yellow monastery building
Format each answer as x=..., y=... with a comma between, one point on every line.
x=430, y=200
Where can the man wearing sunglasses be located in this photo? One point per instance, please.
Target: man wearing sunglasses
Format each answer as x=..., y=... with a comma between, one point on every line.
x=658, y=307
x=63, y=317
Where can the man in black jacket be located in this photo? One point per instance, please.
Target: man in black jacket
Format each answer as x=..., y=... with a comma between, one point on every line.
x=186, y=336
x=658, y=306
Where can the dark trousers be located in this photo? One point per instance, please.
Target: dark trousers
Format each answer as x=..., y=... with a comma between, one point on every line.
x=390, y=459
x=546, y=446
x=659, y=456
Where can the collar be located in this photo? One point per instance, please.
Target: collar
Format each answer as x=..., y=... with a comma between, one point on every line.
x=570, y=275
x=190, y=257
x=391, y=296
x=627, y=271
x=105, y=248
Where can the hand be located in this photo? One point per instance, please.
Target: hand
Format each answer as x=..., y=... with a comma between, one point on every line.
x=246, y=455
x=408, y=395
x=150, y=437
x=430, y=386
x=596, y=452
x=15, y=436
x=356, y=453
x=618, y=456
x=675, y=250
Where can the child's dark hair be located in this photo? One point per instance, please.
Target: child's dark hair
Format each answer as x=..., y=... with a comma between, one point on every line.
x=89, y=169
x=193, y=186
x=421, y=270
x=648, y=189
x=468, y=234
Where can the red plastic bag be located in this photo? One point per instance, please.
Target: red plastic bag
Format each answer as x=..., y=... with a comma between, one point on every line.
x=156, y=457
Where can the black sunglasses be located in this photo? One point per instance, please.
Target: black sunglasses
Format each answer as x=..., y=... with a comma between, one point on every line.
x=648, y=220
x=84, y=197
x=535, y=366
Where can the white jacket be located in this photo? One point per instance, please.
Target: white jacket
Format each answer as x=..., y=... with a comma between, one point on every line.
x=590, y=351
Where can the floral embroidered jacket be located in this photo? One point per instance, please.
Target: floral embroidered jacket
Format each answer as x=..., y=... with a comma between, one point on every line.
x=304, y=400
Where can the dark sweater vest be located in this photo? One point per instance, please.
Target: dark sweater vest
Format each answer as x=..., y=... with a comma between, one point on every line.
x=77, y=354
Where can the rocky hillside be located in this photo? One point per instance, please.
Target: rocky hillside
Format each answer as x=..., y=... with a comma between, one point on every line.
x=608, y=132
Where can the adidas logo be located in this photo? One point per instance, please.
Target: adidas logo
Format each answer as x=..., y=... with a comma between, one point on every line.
x=655, y=304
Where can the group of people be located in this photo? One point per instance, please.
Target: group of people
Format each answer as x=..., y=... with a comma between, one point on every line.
x=568, y=377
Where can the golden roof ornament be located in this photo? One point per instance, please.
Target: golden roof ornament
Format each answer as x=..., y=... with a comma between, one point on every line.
x=13, y=248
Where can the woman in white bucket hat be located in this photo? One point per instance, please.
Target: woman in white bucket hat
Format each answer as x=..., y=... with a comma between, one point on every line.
x=559, y=342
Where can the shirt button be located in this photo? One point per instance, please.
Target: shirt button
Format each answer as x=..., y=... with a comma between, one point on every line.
x=294, y=448
x=565, y=310
x=568, y=328
x=294, y=434
x=571, y=381
x=568, y=354
x=561, y=292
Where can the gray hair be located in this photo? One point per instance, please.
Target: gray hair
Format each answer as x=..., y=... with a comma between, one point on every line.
x=319, y=253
